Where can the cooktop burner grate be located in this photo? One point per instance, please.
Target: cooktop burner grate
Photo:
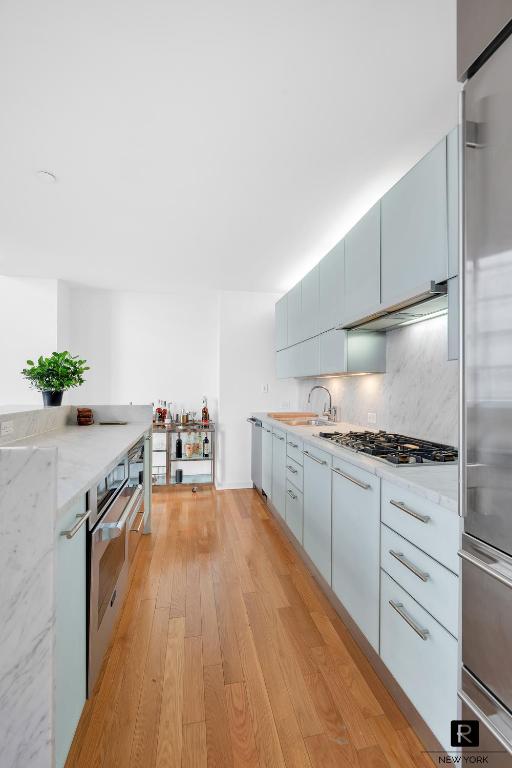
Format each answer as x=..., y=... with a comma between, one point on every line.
x=392, y=448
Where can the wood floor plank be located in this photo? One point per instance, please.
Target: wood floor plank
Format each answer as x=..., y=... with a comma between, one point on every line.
x=193, y=590
x=328, y=752
x=231, y=666
x=245, y=754
x=210, y=628
x=179, y=579
x=144, y=743
x=193, y=683
x=372, y=757
x=170, y=727
x=218, y=737
x=194, y=746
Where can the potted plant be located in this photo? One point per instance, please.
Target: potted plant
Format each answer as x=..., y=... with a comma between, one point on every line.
x=52, y=375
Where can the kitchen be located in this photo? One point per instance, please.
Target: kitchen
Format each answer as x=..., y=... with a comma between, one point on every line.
x=330, y=583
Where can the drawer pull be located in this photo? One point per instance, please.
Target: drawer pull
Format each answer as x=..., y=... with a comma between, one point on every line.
x=318, y=461
x=292, y=495
x=81, y=520
x=293, y=445
x=399, y=608
x=292, y=469
x=366, y=486
x=417, y=516
x=402, y=559
x=278, y=437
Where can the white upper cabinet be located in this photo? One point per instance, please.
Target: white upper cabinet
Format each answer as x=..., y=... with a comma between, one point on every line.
x=310, y=359
x=414, y=234
x=294, y=311
x=281, y=323
x=362, y=267
x=310, y=303
x=332, y=288
x=333, y=352
x=452, y=178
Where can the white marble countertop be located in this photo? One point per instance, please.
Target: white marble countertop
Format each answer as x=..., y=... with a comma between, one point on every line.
x=437, y=483
x=83, y=454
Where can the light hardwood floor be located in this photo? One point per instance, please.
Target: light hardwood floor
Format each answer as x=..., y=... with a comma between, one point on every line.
x=228, y=654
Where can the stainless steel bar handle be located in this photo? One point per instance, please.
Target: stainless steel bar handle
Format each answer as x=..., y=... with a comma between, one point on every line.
x=278, y=437
x=81, y=520
x=113, y=530
x=293, y=445
x=500, y=738
x=338, y=471
x=417, y=516
x=402, y=559
x=137, y=529
x=462, y=306
x=292, y=495
x=292, y=469
x=318, y=461
x=488, y=569
x=399, y=608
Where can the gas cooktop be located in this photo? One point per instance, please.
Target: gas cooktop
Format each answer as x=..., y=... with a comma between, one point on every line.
x=398, y=450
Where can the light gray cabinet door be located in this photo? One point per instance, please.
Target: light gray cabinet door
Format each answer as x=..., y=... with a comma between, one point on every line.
x=70, y=631
x=266, y=460
x=453, y=318
x=356, y=545
x=366, y=352
x=362, y=267
x=333, y=352
x=281, y=323
x=294, y=306
x=414, y=233
x=279, y=471
x=310, y=303
x=332, y=288
x=317, y=509
x=310, y=357
x=452, y=178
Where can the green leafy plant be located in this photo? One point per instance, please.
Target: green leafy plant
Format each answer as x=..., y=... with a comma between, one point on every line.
x=56, y=373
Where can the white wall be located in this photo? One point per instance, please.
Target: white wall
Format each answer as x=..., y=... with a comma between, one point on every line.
x=28, y=323
x=246, y=366
x=148, y=346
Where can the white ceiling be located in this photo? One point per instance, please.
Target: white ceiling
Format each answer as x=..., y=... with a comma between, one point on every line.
x=224, y=144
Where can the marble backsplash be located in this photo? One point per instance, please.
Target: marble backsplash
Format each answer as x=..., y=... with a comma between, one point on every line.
x=418, y=395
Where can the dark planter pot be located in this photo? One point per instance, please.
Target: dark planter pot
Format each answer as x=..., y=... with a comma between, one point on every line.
x=52, y=398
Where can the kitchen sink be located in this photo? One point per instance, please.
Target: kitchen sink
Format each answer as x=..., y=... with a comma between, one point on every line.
x=305, y=422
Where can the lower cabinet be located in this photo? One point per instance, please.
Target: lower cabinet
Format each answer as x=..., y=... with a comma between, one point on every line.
x=356, y=544
x=317, y=509
x=266, y=460
x=294, y=511
x=70, y=630
x=422, y=657
x=279, y=471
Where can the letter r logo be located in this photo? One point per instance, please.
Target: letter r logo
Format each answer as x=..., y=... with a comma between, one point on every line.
x=465, y=733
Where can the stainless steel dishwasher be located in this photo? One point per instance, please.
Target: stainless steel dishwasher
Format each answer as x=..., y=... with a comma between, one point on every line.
x=256, y=473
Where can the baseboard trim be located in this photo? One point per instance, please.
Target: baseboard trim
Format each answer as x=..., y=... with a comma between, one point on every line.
x=233, y=486
x=406, y=706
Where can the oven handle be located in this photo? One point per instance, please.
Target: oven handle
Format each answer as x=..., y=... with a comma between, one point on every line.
x=488, y=569
x=109, y=531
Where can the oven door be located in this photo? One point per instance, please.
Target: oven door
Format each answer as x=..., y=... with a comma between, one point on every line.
x=108, y=574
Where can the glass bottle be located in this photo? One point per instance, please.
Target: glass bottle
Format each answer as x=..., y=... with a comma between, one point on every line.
x=206, y=446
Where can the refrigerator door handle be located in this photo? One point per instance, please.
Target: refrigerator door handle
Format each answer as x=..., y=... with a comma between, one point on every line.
x=462, y=302
x=505, y=743
x=488, y=568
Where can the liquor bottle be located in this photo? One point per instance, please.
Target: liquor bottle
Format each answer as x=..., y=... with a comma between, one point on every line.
x=206, y=447
x=179, y=447
x=205, y=416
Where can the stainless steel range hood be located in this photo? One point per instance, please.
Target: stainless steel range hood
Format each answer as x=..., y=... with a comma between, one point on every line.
x=430, y=302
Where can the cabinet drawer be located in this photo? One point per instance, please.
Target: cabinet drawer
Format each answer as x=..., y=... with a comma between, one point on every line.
x=431, y=584
x=294, y=473
x=294, y=449
x=433, y=529
x=320, y=456
x=425, y=666
x=294, y=511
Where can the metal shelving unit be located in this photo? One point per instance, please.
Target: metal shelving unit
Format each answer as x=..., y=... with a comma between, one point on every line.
x=165, y=473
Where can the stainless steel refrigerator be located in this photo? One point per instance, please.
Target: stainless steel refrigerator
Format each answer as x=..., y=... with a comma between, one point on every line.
x=485, y=67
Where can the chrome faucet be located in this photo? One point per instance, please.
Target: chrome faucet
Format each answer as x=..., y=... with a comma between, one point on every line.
x=331, y=411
